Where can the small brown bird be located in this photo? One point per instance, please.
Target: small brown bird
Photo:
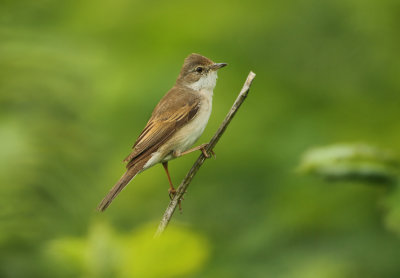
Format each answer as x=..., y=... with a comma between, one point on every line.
x=176, y=123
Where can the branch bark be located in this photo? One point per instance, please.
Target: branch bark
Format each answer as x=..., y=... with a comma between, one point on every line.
x=196, y=166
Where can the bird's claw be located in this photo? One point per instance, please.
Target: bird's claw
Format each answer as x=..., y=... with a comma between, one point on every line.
x=171, y=193
x=213, y=154
x=206, y=154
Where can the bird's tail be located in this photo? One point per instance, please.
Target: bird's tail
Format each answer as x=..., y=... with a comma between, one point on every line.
x=117, y=188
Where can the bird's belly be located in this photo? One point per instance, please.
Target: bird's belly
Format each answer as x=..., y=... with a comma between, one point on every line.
x=188, y=135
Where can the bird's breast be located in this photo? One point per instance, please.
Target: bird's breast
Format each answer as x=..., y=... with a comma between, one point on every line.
x=188, y=134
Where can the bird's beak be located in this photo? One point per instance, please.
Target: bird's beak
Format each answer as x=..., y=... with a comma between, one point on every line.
x=217, y=66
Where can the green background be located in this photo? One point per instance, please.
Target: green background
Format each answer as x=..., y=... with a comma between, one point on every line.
x=79, y=79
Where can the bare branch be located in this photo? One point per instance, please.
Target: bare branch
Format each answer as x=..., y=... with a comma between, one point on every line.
x=196, y=166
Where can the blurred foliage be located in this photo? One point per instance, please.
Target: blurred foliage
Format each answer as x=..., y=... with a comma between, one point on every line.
x=103, y=253
x=79, y=79
x=391, y=204
x=351, y=161
x=359, y=162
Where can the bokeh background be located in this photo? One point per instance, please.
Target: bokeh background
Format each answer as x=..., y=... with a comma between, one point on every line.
x=79, y=79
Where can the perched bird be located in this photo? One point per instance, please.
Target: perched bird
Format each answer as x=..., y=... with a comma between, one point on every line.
x=176, y=123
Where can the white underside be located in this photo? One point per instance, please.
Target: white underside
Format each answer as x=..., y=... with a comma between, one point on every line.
x=184, y=138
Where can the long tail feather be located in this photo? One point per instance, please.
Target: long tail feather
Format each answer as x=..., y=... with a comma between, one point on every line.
x=117, y=188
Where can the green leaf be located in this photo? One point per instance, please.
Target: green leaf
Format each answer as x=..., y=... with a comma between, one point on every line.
x=360, y=162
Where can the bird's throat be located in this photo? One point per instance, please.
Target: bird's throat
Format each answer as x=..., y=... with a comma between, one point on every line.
x=205, y=83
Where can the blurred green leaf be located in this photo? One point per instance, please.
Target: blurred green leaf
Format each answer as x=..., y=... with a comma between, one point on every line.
x=103, y=253
x=351, y=161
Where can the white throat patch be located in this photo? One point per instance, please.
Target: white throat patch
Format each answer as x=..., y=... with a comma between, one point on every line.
x=206, y=82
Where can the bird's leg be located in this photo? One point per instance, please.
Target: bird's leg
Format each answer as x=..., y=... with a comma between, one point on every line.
x=171, y=190
x=202, y=148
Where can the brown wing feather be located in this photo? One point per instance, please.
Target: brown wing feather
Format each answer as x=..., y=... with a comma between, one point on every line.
x=174, y=110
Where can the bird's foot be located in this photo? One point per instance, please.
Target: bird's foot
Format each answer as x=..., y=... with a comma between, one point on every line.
x=205, y=153
x=180, y=205
x=202, y=148
x=171, y=192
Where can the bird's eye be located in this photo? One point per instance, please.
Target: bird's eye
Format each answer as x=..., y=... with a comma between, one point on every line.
x=199, y=69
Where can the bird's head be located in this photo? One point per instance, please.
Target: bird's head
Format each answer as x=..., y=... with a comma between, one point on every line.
x=199, y=73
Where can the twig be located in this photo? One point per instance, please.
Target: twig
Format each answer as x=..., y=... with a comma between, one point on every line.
x=196, y=166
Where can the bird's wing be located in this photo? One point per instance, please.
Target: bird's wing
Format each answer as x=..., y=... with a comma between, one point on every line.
x=174, y=110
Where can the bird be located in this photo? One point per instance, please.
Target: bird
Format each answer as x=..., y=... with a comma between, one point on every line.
x=176, y=123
